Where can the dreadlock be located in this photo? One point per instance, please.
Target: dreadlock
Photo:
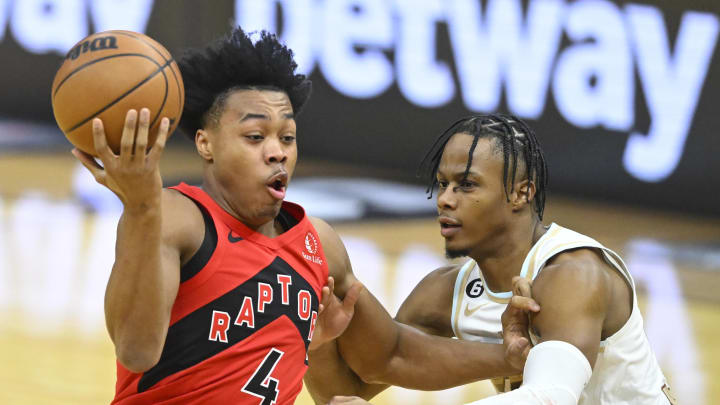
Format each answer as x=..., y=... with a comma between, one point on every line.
x=232, y=63
x=513, y=136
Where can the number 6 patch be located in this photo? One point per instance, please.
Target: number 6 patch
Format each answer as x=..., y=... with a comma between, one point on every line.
x=260, y=383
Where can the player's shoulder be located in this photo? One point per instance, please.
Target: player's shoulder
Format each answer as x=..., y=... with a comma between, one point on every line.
x=332, y=246
x=329, y=238
x=441, y=277
x=438, y=284
x=183, y=222
x=180, y=207
x=436, y=288
x=582, y=271
x=583, y=261
x=321, y=226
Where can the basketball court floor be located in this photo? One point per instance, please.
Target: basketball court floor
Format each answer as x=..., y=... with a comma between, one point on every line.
x=56, y=249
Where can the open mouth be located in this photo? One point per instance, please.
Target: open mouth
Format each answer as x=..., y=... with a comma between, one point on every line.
x=277, y=185
x=449, y=226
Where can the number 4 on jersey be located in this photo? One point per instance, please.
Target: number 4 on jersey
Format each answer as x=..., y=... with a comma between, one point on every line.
x=261, y=384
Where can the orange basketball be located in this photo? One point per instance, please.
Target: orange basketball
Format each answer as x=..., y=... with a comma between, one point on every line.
x=108, y=73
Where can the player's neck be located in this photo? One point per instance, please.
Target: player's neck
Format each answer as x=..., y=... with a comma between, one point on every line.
x=500, y=265
x=270, y=228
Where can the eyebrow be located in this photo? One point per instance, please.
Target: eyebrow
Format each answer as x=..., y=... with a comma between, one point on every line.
x=460, y=173
x=252, y=116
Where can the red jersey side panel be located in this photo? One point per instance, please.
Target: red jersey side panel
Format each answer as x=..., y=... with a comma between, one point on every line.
x=241, y=325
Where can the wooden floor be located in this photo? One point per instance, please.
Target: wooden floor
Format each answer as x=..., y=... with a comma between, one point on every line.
x=678, y=278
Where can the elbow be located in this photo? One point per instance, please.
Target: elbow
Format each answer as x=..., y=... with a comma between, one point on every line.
x=373, y=375
x=136, y=359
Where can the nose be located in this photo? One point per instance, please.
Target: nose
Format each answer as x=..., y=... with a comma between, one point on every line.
x=446, y=199
x=274, y=152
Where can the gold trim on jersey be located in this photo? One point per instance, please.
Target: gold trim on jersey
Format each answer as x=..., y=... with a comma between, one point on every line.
x=531, y=265
x=507, y=384
x=460, y=295
x=499, y=300
x=669, y=394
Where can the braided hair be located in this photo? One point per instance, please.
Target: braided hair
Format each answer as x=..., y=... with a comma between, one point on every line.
x=512, y=135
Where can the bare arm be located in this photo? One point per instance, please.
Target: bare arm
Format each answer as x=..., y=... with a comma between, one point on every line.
x=578, y=293
x=381, y=350
x=329, y=375
x=583, y=300
x=334, y=377
x=145, y=277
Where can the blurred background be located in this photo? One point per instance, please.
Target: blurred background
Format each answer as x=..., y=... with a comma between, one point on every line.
x=623, y=97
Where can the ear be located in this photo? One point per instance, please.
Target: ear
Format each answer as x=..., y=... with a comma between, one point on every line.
x=203, y=144
x=523, y=194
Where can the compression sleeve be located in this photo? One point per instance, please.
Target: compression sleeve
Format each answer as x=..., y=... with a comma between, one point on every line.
x=555, y=374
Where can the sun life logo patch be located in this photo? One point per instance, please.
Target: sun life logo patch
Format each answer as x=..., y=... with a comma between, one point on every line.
x=311, y=245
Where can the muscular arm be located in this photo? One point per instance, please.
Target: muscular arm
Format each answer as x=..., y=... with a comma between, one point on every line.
x=146, y=275
x=583, y=300
x=572, y=291
x=381, y=350
x=157, y=229
x=333, y=376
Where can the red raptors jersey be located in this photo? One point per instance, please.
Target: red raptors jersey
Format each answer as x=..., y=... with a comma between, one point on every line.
x=243, y=317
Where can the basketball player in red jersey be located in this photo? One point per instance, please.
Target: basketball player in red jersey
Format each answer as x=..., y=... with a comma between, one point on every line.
x=214, y=295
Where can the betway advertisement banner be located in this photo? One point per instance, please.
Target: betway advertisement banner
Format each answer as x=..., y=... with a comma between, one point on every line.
x=623, y=95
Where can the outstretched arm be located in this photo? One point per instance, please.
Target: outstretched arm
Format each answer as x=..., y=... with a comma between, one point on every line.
x=335, y=377
x=381, y=350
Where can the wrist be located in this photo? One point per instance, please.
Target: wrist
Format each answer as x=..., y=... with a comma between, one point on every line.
x=317, y=344
x=143, y=207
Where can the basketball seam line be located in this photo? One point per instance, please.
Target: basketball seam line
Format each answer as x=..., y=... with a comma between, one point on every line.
x=141, y=39
x=160, y=69
x=84, y=65
x=167, y=85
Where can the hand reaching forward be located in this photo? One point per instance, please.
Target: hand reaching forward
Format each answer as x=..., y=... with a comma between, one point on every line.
x=133, y=175
x=335, y=315
x=515, y=323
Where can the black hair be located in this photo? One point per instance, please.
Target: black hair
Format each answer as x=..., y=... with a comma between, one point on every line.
x=512, y=135
x=236, y=62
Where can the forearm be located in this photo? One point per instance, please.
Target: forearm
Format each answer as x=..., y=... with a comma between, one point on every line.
x=381, y=350
x=429, y=362
x=137, y=306
x=329, y=375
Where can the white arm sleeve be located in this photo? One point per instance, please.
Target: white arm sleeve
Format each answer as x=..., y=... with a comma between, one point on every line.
x=555, y=374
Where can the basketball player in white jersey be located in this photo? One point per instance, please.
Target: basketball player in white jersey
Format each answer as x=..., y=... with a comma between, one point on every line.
x=590, y=347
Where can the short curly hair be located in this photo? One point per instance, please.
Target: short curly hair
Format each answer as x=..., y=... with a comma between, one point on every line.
x=236, y=62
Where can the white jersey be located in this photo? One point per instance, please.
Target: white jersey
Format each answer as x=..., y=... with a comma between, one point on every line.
x=626, y=371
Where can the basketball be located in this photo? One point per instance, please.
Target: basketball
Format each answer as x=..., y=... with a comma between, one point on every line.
x=108, y=73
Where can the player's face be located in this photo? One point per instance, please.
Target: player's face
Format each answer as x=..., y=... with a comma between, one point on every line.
x=472, y=210
x=254, y=153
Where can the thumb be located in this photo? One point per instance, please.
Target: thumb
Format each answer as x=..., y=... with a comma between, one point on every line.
x=352, y=295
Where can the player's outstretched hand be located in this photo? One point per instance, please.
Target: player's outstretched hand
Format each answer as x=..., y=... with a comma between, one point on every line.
x=134, y=174
x=339, y=400
x=335, y=315
x=515, y=323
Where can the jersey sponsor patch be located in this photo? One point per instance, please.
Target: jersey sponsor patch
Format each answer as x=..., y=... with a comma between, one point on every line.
x=311, y=247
